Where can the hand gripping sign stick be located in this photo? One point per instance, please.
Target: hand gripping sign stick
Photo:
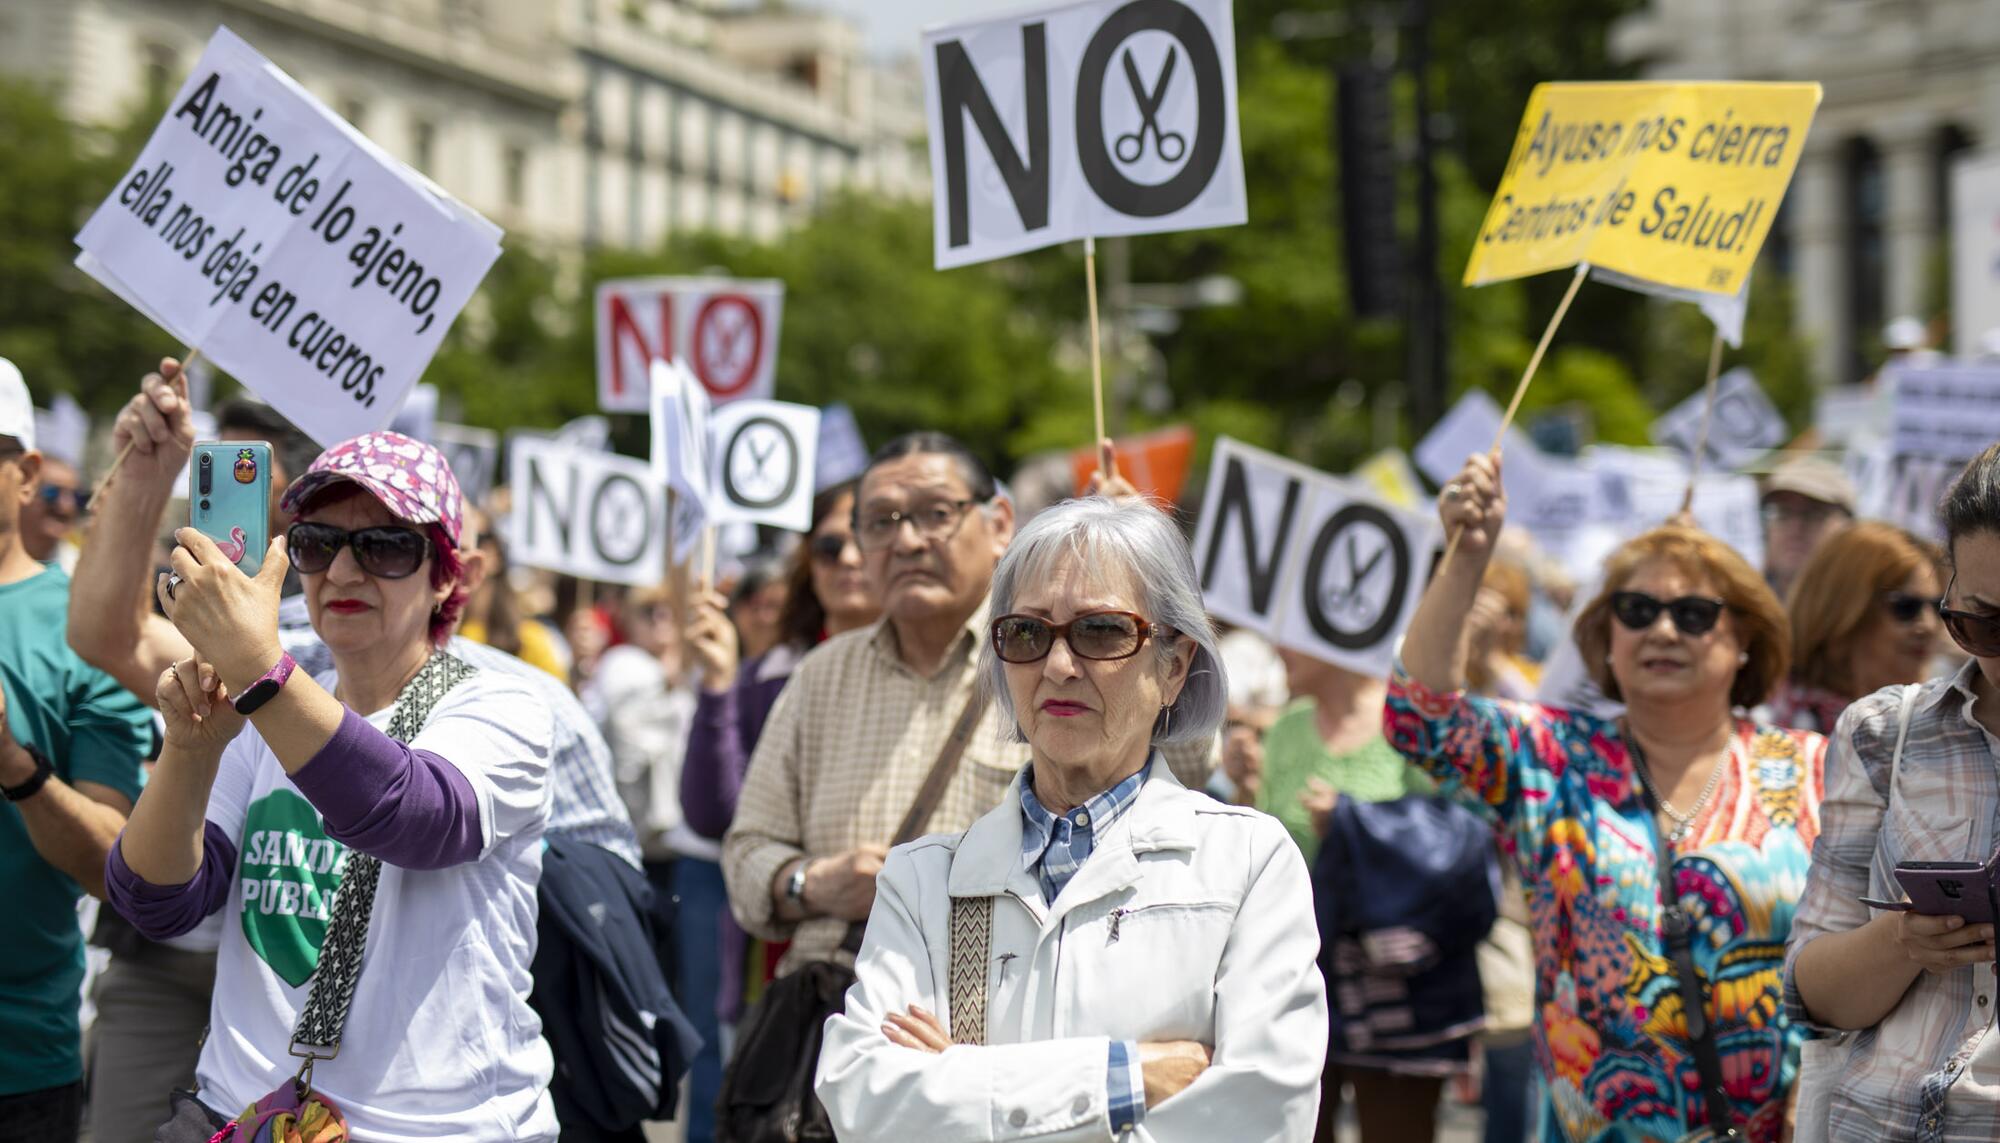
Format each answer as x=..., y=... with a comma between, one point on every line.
x=180, y=390
x=1105, y=463
x=1707, y=417
x=1521, y=390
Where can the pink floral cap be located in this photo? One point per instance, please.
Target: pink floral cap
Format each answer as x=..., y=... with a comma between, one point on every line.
x=409, y=477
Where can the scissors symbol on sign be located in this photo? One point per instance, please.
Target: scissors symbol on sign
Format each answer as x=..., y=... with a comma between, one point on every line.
x=1350, y=599
x=1171, y=145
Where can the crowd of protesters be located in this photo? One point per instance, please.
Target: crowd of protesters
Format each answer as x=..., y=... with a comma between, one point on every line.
x=943, y=821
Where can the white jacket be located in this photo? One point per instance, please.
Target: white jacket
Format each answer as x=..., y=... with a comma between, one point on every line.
x=1191, y=920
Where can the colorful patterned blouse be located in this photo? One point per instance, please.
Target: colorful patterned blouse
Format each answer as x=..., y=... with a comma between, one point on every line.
x=1610, y=1036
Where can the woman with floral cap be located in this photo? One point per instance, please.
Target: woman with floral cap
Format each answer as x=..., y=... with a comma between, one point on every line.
x=373, y=833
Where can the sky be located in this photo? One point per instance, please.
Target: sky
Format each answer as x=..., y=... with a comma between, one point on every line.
x=892, y=26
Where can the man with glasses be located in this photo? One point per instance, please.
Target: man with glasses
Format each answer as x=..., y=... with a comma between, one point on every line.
x=71, y=746
x=55, y=514
x=867, y=713
x=1805, y=500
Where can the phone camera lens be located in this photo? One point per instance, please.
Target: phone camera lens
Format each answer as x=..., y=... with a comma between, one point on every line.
x=204, y=505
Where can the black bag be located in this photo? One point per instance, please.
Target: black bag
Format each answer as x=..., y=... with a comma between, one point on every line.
x=767, y=1089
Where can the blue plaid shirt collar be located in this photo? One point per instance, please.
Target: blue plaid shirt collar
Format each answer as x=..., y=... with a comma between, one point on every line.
x=1054, y=847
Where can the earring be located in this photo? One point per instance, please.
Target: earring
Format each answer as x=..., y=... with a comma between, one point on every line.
x=1743, y=660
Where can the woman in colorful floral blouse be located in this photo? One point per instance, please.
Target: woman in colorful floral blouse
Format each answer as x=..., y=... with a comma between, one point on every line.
x=1683, y=631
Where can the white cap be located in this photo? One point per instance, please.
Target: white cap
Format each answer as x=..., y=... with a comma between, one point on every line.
x=17, y=412
x=1905, y=333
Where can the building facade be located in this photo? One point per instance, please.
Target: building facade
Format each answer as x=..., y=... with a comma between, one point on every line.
x=592, y=122
x=1911, y=88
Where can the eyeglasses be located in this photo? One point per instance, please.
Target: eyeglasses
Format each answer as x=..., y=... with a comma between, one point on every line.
x=387, y=552
x=1100, y=635
x=53, y=495
x=1978, y=635
x=1692, y=614
x=1905, y=608
x=828, y=547
x=934, y=522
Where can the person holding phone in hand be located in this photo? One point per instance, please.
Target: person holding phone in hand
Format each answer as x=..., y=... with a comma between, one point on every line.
x=1662, y=852
x=1911, y=780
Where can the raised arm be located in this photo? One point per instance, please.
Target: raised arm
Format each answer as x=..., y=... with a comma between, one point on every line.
x=111, y=622
x=1473, y=508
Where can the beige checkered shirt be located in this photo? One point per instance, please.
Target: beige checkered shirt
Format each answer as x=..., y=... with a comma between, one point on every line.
x=840, y=760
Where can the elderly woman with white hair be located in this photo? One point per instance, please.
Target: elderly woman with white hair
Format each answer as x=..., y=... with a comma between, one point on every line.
x=1107, y=953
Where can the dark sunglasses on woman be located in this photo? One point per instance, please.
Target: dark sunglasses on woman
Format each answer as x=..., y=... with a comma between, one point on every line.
x=1978, y=635
x=386, y=552
x=1099, y=635
x=1905, y=608
x=1692, y=614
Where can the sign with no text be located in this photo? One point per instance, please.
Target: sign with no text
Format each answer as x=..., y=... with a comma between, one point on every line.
x=726, y=331
x=259, y=227
x=1099, y=118
x=1667, y=185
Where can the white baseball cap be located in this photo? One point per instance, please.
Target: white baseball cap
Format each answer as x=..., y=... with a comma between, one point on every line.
x=17, y=412
x=1905, y=333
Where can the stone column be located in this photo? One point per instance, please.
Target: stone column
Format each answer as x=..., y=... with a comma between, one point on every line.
x=1819, y=261
x=1910, y=225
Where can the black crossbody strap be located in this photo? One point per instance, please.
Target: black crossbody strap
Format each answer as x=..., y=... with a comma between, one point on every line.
x=324, y=1018
x=1678, y=931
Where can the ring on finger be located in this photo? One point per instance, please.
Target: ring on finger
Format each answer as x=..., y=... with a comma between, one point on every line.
x=1453, y=490
x=173, y=581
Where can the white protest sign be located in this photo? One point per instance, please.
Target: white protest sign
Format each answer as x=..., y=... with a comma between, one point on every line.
x=1744, y=426
x=474, y=456
x=62, y=430
x=843, y=452
x=590, y=432
x=1083, y=119
x=297, y=255
x=590, y=514
x=1468, y=428
x=1942, y=415
x=1975, y=251
x=681, y=443
x=1642, y=489
x=417, y=418
x=1549, y=496
x=1311, y=562
x=726, y=331
x=1852, y=415
x=764, y=453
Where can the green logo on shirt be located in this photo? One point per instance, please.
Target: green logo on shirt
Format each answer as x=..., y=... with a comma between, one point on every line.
x=289, y=870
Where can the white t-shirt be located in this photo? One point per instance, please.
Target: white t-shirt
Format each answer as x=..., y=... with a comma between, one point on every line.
x=440, y=1042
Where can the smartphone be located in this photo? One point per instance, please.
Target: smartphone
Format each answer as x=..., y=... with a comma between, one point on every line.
x=229, y=498
x=1944, y=888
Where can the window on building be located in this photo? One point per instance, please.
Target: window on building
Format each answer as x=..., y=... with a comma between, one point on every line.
x=423, y=146
x=162, y=66
x=514, y=169
x=1867, y=264
x=1952, y=144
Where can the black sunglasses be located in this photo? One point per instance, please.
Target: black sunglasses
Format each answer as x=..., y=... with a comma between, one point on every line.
x=828, y=548
x=1978, y=635
x=1100, y=635
x=1905, y=608
x=387, y=552
x=1692, y=614
x=52, y=495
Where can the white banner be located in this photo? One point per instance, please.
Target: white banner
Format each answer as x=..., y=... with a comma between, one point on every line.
x=763, y=457
x=1975, y=251
x=1947, y=411
x=297, y=255
x=681, y=444
x=1311, y=562
x=1067, y=121
x=724, y=329
x=1744, y=426
x=589, y=514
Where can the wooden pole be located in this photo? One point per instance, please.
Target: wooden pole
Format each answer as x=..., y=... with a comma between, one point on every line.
x=1707, y=418
x=708, y=546
x=1105, y=464
x=180, y=389
x=1521, y=390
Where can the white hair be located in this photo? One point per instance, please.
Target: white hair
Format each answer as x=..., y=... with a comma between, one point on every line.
x=1114, y=539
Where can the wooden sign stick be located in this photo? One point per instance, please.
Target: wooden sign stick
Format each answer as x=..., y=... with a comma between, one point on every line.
x=1521, y=390
x=1105, y=463
x=1707, y=417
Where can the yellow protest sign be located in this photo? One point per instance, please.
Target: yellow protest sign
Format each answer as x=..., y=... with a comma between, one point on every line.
x=1674, y=185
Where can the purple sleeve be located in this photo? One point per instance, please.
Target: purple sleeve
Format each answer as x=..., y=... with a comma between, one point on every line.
x=411, y=808
x=725, y=733
x=162, y=911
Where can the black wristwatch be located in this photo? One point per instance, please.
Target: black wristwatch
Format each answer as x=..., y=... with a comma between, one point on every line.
x=44, y=770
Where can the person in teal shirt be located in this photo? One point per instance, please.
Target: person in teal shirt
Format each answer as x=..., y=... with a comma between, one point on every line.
x=72, y=746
